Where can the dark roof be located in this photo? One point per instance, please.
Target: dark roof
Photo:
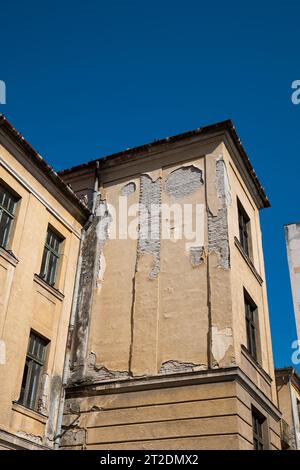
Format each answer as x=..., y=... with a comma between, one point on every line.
x=38, y=161
x=226, y=125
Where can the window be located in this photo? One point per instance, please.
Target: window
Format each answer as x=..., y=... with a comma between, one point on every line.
x=251, y=325
x=34, y=364
x=8, y=203
x=258, y=422
x=244, y=229
x=51, y=257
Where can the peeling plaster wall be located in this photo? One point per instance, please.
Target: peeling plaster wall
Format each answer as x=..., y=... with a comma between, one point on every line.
x=218, y=224
x=183, y=182
x=167, y=308
x=149, y=224
x=292, y=237
x=163, y=304
x=183, y=315
x=110, y=328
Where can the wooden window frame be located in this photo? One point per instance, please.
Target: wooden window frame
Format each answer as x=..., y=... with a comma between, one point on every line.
x=9, y=213
x=34, y=363
x=51, y=257
x=252, y=327
x=244, y=230
x=259, y=423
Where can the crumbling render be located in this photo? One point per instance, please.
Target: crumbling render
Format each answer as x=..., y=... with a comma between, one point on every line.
x=150, y=221
x=183, y=181
x=173, y=366
x=42, y=406
x=197, y=255
x=74, y=437
x=218, y=224
x=92, y=248
x=30, y=437
x=128, y=189
x=96, y=372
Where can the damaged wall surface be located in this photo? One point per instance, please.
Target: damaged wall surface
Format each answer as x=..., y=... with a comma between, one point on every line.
x=166, y=306
x=292, y=237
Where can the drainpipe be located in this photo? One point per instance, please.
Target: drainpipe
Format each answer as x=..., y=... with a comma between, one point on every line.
x=73, y=313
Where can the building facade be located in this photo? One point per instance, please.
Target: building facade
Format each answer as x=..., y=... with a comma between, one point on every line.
x=292, y=238
x=288, y=389
x=171, y=344
x=40, y=232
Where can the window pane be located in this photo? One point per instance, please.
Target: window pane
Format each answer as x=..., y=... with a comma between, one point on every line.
x=51, y=268
x=7, y=200
x=33, y=384
x=24, y=381
x=5, y=225
x=32, y=371
x=44, y=263
x=50, y=257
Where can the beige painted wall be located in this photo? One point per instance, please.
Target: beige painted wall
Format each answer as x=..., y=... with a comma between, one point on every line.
x=188, y=317
x=26, y=303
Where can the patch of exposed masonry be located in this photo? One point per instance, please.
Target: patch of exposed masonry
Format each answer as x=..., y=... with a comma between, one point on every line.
x=73, y=437
x=183, y=181
x=218, y=224
x=197, y=255
x=173, y=366
x=104, y=220
x=42, y=405
x=128, y=189
x=150, y=221
x=30, y=437
x=54, y=402
x=92, y=248
x=96, y=372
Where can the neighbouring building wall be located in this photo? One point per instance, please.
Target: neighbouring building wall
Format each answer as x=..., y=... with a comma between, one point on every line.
x=28, y=303
x=292, y=238
x=151, y=309
x=288, y=390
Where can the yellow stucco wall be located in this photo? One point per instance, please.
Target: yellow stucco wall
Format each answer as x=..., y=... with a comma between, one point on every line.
x=188, y=317
x=26, y=303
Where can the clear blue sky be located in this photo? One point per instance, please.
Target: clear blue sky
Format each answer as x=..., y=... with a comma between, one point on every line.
x=85, y=79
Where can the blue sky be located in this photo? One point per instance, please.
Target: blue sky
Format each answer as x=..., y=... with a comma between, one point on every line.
x=85, y=79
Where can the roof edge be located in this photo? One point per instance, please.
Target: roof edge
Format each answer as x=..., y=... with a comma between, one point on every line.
x=42, y=164
x=226, y=125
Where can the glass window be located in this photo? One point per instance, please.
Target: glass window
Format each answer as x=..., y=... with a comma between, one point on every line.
x=258, y=431
x=34, y=364
x=244, y=229
x=51, y=257
x=8, y=203
x=251, y=326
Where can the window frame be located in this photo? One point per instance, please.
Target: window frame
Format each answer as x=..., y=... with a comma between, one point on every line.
x=51, y=257
x=244, y=224
x=10, y=214
x=29, y=391
x=259, y=430
x=252, y=326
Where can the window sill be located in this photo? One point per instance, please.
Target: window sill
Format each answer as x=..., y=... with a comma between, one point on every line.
x=30, y=413
x=8, y=256
x=59, y=295
x=256, y=364
x=248, y=260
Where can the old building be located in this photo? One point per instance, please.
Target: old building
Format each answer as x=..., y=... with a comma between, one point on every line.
x=171, y=344
x=292, y=237
x=288, y=389
x=40, y=232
